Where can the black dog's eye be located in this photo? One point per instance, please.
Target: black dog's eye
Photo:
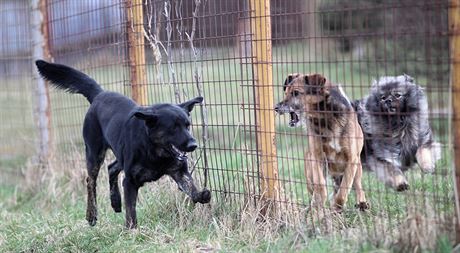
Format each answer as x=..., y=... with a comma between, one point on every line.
x=398, y=95
x=382, y=97
x=295, y=93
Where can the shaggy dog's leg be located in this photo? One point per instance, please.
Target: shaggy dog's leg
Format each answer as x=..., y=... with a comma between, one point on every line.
x=389, y=174
x=427, y=155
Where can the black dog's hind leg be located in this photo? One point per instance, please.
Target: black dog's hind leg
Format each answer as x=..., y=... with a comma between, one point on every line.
x=95, y=154
x=94, y=158
x=130, y=192
x=115, y=198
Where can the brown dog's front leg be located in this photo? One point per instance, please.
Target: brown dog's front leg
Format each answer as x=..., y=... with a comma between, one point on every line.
x=130, y=193
x=316, y=183
x=361, y=204
x=345, y=186
x=185, y=182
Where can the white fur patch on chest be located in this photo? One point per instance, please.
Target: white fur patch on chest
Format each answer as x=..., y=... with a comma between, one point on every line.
x=335, y=144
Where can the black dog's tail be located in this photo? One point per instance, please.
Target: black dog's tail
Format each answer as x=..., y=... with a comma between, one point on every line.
x=69, y=79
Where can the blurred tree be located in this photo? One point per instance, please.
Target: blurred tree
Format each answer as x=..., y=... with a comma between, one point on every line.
x=397, y=35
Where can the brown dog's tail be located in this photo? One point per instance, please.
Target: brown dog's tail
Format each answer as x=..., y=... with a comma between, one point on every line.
x=69, y=79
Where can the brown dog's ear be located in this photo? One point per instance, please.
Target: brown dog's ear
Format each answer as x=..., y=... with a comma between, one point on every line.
x=315, y=79
x=289, y=79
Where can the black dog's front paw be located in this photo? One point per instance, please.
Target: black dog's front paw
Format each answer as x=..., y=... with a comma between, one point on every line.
x=91, y=220
x=203, y=197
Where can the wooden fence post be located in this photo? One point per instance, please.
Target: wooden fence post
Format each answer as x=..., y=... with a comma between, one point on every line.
x=136, y=51
x=41, y=50
x=265, y=116
x=454, y=26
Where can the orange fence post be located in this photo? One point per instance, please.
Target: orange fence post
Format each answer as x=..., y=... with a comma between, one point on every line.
x=454, y=25
x=265, y=116
x=136, y=51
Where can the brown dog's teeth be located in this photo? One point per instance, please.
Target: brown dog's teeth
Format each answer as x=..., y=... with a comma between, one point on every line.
x=294, y=119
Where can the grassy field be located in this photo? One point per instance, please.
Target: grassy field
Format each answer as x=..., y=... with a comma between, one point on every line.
x=42, y=210
x=47, y=215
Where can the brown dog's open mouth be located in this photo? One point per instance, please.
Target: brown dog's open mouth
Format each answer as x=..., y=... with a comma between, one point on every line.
x=294, y=119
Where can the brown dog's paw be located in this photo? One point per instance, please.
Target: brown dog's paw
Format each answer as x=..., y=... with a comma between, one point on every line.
x=363, y=206
x=337, y=208
x=203, y=197
x=402, y=187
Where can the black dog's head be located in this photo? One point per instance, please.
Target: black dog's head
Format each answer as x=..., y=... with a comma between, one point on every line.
x=394, y=95
x=168, y=125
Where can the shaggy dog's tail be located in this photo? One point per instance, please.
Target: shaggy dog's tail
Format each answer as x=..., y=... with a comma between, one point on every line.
x=69, y=79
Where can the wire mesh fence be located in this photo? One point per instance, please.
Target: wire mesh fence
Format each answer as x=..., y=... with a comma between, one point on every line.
x=178, y=49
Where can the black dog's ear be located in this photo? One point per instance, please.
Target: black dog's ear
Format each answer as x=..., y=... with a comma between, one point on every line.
x=188, y=105
x=144, y=113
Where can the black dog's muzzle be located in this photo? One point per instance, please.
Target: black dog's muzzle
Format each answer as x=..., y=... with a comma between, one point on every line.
x=177, y=153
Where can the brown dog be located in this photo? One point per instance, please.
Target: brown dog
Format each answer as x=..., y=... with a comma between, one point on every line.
x=335, y=137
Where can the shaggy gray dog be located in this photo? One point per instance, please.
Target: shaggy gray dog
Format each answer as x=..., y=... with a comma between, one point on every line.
x=394, y=119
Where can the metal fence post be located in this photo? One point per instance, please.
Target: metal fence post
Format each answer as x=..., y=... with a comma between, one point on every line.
x=41, y=50
x=265, y=117
x=136, y=51
x=454, y=25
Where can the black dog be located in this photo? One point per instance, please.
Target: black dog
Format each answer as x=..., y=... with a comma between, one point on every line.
x=148, y=142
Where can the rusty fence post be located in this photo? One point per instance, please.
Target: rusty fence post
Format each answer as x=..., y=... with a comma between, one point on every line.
x=136, y=50
x=41, y=50
x=265, y=116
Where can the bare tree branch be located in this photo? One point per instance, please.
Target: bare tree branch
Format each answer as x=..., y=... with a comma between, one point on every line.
x=172, y=72
x=153, y=40
x=199, y=87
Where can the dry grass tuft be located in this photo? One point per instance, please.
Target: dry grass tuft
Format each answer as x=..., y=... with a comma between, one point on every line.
x=64, y=176
x=421, y=228
x=420, y=231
